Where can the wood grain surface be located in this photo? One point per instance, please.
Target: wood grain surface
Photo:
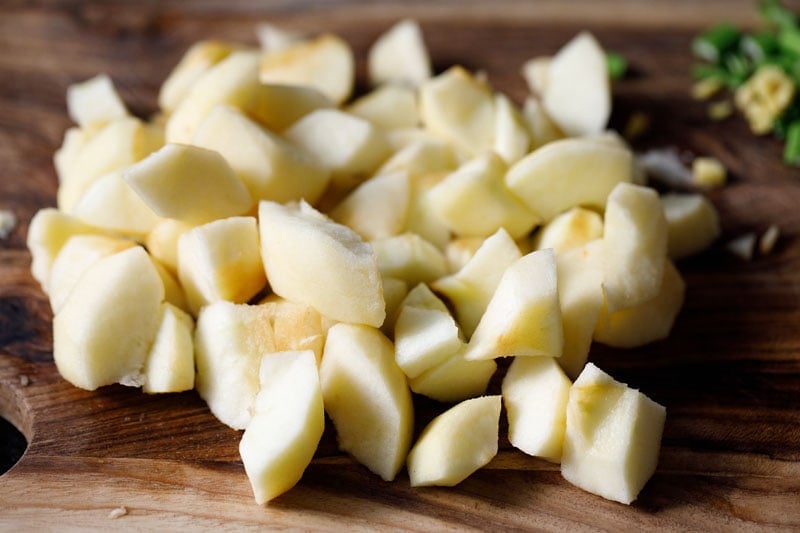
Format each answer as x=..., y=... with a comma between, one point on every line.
x=729, y=374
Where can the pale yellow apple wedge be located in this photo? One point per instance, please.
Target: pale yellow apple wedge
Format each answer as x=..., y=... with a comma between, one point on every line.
x=511, y=137
x=378, y=208
x=95, y=102
x=200, y=57
x=409, y=257
x=169, y=365
x=388, y=107
x=399, y=55
x=571, y=229
x=692, y=224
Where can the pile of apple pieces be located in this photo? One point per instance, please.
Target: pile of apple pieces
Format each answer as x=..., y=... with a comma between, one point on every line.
x=288, y=252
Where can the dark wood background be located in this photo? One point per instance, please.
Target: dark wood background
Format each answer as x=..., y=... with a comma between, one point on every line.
x=729, y=374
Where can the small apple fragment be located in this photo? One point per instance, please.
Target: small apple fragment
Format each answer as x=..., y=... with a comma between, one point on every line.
x=221, y=260
x=271, y=37
x=169, y=365
x=200, y=57
x=646, y=322
x=229, y=341
x=188, y=183
x=94, y=102
x=577, y=94
x=162, y=242
x=388, y=107
x=296, y=326
x=535, y=393
x=409, y=257
x=325, y=63
x=279, y=106
x=634, y=246
x=420, y=157
x=378, y=208
x=310, y=259
x=287, y=425
x=270, y=167
x=692, y=224
x=541, y=127
x=454, y=379
x=103, y=331
x=399, y=56
x=536, y=72
x=366, y=395
x=569, y=172
x=456, y=443
x=569, y=230
x=613, y=436
x=523, y=317
x=511, y=138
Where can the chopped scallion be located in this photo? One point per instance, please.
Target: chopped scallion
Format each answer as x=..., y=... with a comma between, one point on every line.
x=617, y=65
x=712, y=44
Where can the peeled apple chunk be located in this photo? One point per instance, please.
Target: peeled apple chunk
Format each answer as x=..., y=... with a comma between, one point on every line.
x=229, y=341
x=367, y=397
x=189, y=183
x=523, y=317
x=103, y=332
x=312, y=260
x=399, y=56
x=613, y=436
x=289, y=419
x=511, y=138
x=197, y=60
x=221, y=260
x=456, y=443
x=388, y=107
x=454, y=379
x=535, y=393
x=692, y=223
x=577, y=95
x=647, y=322
x=566, y=173
x=378, y=208
x=295, y=326
x=325, y=63
x=94, y=102
x=169, y=366
x=634, y=246
x=270, y=167
x=409, y=257
x=569, y=230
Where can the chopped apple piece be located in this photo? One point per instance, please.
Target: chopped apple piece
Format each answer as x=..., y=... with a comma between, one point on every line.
x=221, y=260
x=460, y=109
x=571, y=229
x=567, y=173
x=378, y=208
x=162, y=242
x=366, y=395
x=424, y=335
x=423, y=156
x=613, y=437
x=580, y=293
x=173, y=292
x=634, y=246
x=110, y=203
x=287, y=426
x=541, y=127
x=535, y=393
x=577, y=95
x=169, y=366
x=399, y=56
x=454, y=379
x=409, y=257
x=117, y=145
x=351, y=147
x=195, y=62
x=229, y=342
x=189, y=183
x=325, y=63
x=646, y=322
x=272, y=38
x=312, y=260
x=279, y=106
x=692, y=224
x=456, y=443
x=460, y=250
x=295, y=326
x=94, y=102
x=474, y=201
x=102, y=333
x=64, y=158
x=388, y=106
x=421, y=219
x=536, y=72
x=48, y=231
x=523, y=317
x=77, y=255
x=270, y=167
x=394, y=292
x=511, y=137
x=471, y=288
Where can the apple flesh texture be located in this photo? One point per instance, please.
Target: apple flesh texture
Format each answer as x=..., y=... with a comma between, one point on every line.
x=94, y=102
x=229, y=341
x=221, y=260
x=634, y=246
x=535, y=393
x=366, y=395
x=169, y=366
x=474, y=201
x=295, y=326
x=409, y=257
x=103, y=332
x=310, y=259
x=511, y=138
x=569, y=230
x=456, y=443
x=188, y=183
x=613, y=436
x=162, y=242
x=692, y=224
x=471, y=288
x=378, y=208
x=454, y=379
x=200, y=57
x=388, y=107
x=399, y=56
x=270, y=167
x=523, y=317
x=287, y=426
x=567, y=173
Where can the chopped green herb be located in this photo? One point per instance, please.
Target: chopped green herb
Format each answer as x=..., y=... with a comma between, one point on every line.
x=776, y=15
x=617, y=65
x=713, y=44
x=791, y=152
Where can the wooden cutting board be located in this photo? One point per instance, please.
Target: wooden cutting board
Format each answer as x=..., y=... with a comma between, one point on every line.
x=729, y=374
